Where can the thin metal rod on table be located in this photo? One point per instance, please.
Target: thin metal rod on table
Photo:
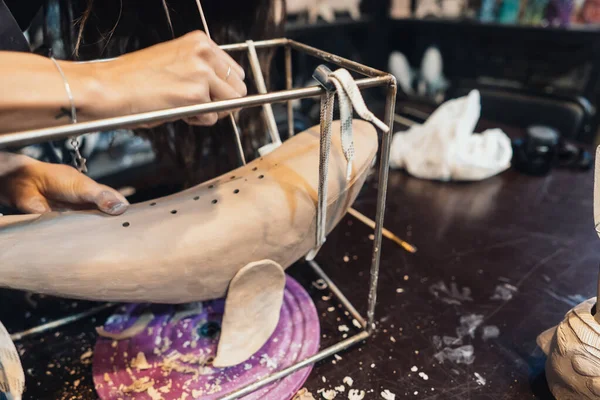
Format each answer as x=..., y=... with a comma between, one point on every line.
x=338, y=293
x=61, y=322
x=289, y=84
x=328, y=352
x=341, y=61
x=262, y=89
x=65, y=131
x=381, y=197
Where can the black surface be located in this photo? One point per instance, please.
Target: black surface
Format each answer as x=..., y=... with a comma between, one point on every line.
x=534, y=233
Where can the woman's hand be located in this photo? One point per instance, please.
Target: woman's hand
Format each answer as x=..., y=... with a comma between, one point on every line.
x=35, y=187
x=185, y=71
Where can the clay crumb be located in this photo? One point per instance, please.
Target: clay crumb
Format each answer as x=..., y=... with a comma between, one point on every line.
x=348, y=381
x=414, y=368
x=392, y=339
x=324, y=379
x=140, y=363
x=154, y=394
x=387, y=395
x=424, y=376
x=346, y=259
x=338, y=358
x=331, y=309
x=320, y=284
x=329, y=394
x=303, y=394
x=355, y=394
x=356, y=324
x=343, y=328
x=480, y=379
x=76, y=383
x=340, y=388
x=85, y=357
x=399, y=290
x=268, y=362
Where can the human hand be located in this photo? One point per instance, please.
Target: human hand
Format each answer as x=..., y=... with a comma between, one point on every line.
x=36, y=187
x=188, y=70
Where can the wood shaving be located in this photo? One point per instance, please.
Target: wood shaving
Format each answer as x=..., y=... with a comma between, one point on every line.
x=135, y=329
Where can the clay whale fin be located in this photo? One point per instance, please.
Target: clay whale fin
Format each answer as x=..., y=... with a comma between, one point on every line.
x=12, y=376
x=252, y=308
x=545, y=338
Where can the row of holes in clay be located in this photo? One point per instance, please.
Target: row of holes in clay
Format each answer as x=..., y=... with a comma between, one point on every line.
x=215, y=201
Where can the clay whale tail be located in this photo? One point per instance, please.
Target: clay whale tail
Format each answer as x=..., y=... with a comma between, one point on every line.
x=252, y=309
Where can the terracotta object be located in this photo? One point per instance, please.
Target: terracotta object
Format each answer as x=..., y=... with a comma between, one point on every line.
x=245, y=226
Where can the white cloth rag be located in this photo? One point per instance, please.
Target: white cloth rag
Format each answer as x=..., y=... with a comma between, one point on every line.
x=446, y=148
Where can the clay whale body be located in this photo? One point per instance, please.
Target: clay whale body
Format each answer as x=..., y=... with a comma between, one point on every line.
x=232, y=235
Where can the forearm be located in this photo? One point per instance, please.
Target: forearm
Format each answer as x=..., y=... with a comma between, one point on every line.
x=33, y=95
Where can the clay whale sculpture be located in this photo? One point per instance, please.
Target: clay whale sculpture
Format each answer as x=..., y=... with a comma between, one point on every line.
x=233, y=235
x=573, y=347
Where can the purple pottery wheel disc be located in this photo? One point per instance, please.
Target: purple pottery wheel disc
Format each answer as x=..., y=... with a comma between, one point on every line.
x=176, y=352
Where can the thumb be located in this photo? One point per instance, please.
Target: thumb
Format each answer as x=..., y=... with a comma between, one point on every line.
x=34, y=204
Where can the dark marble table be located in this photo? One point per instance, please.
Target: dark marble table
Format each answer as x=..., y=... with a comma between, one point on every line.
x=531, y=237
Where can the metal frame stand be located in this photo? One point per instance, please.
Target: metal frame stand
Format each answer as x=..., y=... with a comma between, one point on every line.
x=373, y=78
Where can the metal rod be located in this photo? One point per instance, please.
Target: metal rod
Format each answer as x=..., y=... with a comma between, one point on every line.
x=338, y=293
x=328, y=352
x=381, y=197
x=259, y=44
x=341, y=61
x=61, y=322
x=234, y=126
x=64, y=131
x=262, y=89
x=289, y=84
x=404, y=121
x=388, y=234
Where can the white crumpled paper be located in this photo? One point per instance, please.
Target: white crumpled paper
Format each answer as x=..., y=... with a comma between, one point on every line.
x=446, y=148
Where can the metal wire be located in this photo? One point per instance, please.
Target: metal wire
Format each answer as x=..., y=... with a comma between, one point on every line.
x=234, y=125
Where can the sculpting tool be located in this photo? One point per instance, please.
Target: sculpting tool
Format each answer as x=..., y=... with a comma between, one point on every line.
x=236, y=130
x=369, y=222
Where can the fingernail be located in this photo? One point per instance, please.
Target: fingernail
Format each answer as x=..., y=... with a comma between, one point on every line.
x=118, y=208
x=111, y=203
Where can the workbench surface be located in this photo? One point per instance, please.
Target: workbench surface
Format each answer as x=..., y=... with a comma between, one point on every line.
x=512, y=252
